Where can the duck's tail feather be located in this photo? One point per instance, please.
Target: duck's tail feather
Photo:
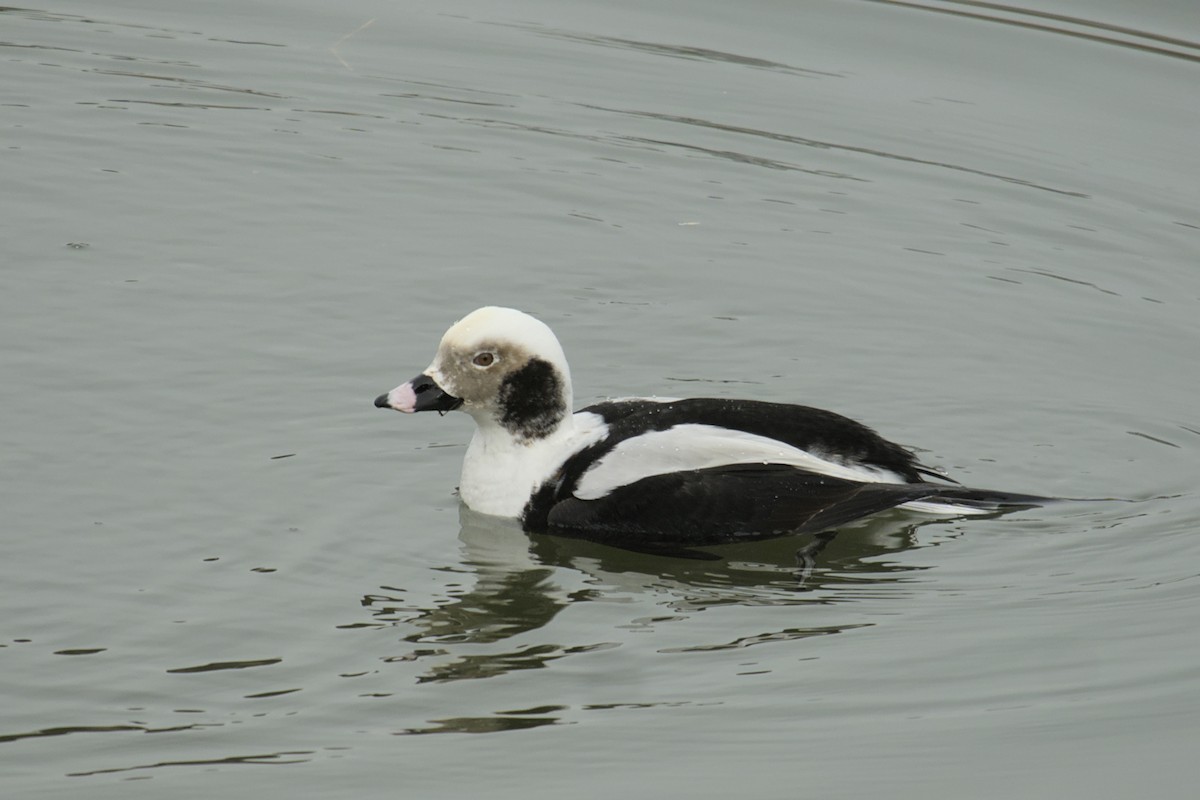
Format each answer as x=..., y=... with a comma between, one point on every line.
x=965, y=500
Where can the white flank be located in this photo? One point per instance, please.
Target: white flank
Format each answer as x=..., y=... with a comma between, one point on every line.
x=688, y=447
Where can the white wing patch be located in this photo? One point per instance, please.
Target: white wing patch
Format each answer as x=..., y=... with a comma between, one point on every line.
x=688, y=447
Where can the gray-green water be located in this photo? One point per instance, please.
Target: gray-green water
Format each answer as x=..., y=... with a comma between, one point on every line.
x=228, y=226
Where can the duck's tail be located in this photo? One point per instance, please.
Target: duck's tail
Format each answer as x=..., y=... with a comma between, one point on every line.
x=957, y=500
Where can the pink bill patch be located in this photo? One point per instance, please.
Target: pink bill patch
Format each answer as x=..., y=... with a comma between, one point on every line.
x=403, y=398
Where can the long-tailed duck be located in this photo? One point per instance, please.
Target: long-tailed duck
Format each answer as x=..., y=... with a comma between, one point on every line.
x=654, y=473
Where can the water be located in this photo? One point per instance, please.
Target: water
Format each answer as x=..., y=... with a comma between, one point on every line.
x=228, y=227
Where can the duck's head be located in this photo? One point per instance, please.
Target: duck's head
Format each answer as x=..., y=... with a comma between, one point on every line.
x=501, y=366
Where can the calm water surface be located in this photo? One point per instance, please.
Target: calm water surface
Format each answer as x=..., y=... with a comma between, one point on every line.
x=227, y=227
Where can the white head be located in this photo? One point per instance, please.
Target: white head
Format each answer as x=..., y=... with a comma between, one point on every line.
x=501, y=366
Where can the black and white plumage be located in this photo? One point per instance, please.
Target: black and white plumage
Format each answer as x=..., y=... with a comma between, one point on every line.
x=650, y=473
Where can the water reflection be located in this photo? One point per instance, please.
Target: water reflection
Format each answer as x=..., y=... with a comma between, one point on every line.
x=520, y=583
x=484, y=724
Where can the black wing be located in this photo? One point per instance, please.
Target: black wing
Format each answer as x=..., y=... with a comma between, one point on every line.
x=738, y=502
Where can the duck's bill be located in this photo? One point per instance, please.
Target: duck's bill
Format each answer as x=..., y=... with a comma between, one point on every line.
x=420, y=394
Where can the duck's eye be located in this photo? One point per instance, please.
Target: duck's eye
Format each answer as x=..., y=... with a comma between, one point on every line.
x=484, y=359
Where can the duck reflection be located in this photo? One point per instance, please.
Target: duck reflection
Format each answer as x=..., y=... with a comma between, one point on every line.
x=520, y=582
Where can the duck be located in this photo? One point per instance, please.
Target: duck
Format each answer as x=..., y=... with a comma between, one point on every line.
x=656, y=473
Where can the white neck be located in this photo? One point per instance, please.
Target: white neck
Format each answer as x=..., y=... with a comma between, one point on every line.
x=500, y=472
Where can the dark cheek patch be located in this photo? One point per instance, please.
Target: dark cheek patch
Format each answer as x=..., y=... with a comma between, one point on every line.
x=531, y=400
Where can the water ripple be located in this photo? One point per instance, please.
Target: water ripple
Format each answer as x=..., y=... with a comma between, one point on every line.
x=1135, y=38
